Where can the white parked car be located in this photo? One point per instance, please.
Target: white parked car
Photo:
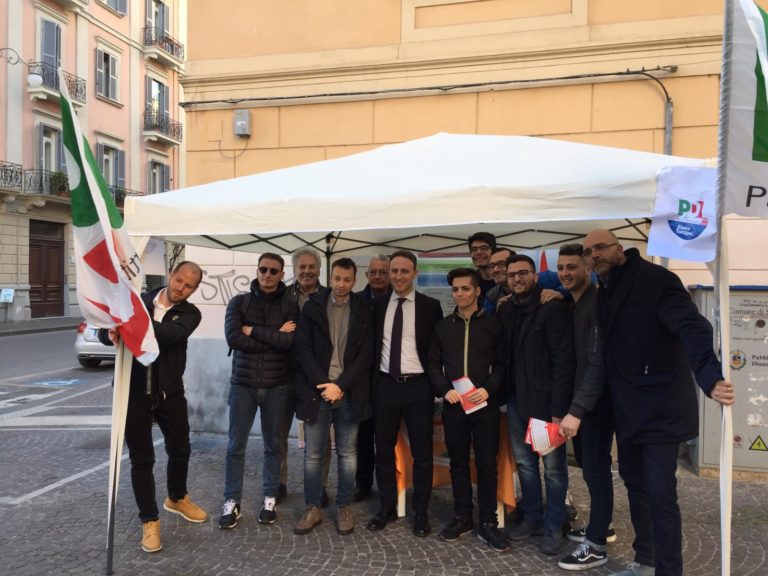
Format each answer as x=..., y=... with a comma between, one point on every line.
x=90, y=351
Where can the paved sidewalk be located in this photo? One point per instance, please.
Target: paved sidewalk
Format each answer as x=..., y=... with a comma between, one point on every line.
x=63, y=531
x=39, y=325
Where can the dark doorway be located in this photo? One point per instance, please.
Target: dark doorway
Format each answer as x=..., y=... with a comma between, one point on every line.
x=46, y=268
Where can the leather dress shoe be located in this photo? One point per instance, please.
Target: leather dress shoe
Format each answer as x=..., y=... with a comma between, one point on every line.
x=421, y=525
x=381, y=519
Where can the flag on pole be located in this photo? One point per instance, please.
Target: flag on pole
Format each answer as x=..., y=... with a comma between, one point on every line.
x=684, y=223
x=746, y=185
x=105, y=259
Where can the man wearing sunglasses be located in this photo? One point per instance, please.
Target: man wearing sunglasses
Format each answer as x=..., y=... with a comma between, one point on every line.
x=540, y=363
x=654, y=339
x=259, y=327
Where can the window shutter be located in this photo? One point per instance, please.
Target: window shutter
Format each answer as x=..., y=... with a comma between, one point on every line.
x=166, y=178
x=49, y=50
x=164, y=17
x=150, y=13
x=100, y=72
x=148, y=93
x=100, y=158
x=120, y=168
x=164, y=99
x=122, y=6
x=62, y=161
x=40, y=147
x=113, y=77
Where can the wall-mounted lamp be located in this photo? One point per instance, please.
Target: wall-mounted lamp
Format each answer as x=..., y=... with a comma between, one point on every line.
x=9, y=54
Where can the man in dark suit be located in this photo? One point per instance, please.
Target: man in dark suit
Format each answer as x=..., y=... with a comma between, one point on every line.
x=404, y=325
x=654, y=337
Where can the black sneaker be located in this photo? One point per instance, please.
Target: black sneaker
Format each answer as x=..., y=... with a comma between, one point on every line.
x=552, y=541
x=524, y=530
x=491, y=535
x=267, y=514
x=455, y=528
x=580, y=534
x=584, y=558
x=230, y=514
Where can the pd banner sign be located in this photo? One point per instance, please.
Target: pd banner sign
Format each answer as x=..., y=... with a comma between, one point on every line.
x=684, y=218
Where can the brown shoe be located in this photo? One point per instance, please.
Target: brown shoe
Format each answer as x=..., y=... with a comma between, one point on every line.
x=312, y=517
x=150, y=539
x=345, y=521
x=186, y=508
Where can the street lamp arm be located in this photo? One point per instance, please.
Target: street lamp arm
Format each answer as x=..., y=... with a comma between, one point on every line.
x=11, y=56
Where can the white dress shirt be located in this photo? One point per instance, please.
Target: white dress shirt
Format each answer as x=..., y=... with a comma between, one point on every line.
x=409, y=356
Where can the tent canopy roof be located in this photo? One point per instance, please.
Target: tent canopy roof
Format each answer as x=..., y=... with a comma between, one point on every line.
x=426, y=195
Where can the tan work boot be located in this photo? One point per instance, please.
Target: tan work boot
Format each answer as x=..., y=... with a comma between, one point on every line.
x=312, y=517
x=345, y=521
x=150, y=539
x=186, y=508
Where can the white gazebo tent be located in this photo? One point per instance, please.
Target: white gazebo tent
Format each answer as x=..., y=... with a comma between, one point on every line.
x=426, y=195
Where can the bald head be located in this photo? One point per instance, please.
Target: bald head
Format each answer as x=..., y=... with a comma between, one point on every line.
x=603, y=251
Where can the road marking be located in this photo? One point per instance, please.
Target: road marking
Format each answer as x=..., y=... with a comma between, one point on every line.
x=56, y=421
x=44, y=407
x=64, y=481
x=24, y=399
x=57, y=383
x=37, y=374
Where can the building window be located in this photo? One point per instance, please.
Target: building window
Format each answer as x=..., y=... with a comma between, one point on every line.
x=158, y=15
x=112, y=164
x=106, y=75
x=157, y=97
x=50, y=54
x=51, y=149
x=159, y=177
x=119, y=6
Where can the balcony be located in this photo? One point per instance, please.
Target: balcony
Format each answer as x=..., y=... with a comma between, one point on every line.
x=10, y=182
x=119, y=194
x=39, y=186
x=161, y=128
x=161, y=46
x=73, y=4
x=49, y=89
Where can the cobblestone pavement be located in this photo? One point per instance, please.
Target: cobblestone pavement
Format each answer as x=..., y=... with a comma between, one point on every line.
x=54, y=523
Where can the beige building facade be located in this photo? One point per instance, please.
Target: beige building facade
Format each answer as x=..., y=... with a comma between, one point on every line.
x=122, y=60
x=318, y=80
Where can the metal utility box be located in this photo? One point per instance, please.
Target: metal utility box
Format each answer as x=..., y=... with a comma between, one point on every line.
x=242, y=122
x=749, y=374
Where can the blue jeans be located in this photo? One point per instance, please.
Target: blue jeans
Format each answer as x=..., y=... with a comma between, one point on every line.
x=555, y=475
x=244, y=401
x=316, y=436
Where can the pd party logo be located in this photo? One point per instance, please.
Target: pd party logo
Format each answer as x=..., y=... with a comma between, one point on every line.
x=691, y=221
x=738, y=360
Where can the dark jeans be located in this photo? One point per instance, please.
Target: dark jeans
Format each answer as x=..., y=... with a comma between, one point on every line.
x=171, y=416
x=412, y=401
x=648, y=471
x=555, y=475
x=290, y=412
x=244, y=401
x=596, y=433
x=479, y=430
x=366, y=455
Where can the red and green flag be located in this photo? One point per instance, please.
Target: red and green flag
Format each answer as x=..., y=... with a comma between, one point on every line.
x=105, y=259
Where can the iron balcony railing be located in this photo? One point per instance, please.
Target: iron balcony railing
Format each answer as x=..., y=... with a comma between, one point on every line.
x=10, y=175
x=163, y=124
x=50, y=76
x=46, y=182
x=160, y=38
x=119, y=193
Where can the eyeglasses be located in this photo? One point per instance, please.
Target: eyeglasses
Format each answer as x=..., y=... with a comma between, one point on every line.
x=519, y=274
x=598, y=248
x=378, y=272
x=499, y=264
x=274, y=271
x=480, y=248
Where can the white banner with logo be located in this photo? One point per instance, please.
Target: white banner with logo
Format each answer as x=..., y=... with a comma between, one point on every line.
x=684, y=218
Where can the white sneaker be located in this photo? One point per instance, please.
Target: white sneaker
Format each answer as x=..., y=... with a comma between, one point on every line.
x=635, y=569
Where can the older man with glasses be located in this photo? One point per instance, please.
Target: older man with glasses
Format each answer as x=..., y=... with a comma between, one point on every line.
x=259, y=327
